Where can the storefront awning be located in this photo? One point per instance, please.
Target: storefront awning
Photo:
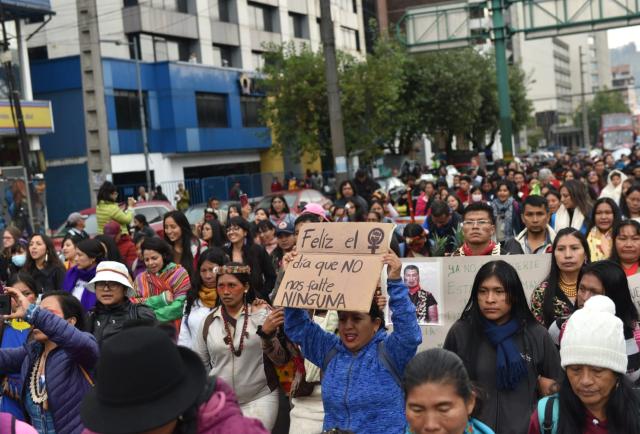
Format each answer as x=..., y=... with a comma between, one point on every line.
x=38, y=118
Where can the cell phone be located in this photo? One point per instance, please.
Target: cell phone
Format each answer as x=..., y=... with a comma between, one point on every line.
x=244, y=199
x=5, y=304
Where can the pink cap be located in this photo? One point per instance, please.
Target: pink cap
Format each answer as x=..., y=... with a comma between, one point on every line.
x=315, y=208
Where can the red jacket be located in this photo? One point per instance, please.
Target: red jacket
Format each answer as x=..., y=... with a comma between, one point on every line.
x=127, y=249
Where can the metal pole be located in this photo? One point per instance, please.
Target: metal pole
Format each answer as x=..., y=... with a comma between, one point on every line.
x=585, y=117
x=143, y=120
x=504, y=102
x=333, y=92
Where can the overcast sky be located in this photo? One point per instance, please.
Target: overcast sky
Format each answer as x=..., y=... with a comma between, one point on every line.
x=624, y=35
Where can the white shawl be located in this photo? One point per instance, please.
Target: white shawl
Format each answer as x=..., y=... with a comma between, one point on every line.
x=562, y=219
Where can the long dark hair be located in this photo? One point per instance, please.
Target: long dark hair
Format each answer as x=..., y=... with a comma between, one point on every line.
x=353, y=188
x=159, y=245
x=615, y=256
x=111, y=248
x=51, y=260
x=217, y=234
x=186, y=258
x=579, y=195
x=71, y=308
x=623, y=200
x=92, y=248
x=285, y=210
x=106, y=190
x=621, y=409
x=616, y=286
x=212, y=254
x=553, y=289
x=617, y=216
x=439, y=366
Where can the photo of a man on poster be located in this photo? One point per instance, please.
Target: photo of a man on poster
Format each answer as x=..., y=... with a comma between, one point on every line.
x=425, y=302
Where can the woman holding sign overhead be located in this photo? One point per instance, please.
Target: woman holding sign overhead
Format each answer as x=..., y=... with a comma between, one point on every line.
x=364, y=364
x=506, y=352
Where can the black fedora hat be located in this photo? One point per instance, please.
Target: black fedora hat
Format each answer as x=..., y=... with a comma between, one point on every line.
x=144, y=381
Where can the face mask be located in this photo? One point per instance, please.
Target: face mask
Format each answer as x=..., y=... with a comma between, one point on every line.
x=476, y=197
x=19, y=260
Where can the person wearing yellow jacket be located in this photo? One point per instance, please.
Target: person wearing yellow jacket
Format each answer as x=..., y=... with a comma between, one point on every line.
x=108, y=209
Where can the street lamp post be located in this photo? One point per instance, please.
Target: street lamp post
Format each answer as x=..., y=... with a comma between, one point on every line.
x=143, y=118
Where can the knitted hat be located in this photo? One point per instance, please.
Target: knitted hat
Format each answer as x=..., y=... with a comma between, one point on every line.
x=594, y=337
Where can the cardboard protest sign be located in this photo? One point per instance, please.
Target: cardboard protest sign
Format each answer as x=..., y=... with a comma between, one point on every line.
x=338, y=266
x=456, y=276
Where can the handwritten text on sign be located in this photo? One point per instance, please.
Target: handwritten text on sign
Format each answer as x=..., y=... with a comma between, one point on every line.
x=337, y=267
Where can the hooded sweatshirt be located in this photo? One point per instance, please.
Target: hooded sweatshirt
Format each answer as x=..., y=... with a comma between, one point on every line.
x=610, y=190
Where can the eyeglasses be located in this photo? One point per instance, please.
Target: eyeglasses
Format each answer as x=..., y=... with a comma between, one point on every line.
x=473, y=223
x=111, y=285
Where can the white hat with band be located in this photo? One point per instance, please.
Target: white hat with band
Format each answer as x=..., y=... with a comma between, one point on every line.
x=111, y=271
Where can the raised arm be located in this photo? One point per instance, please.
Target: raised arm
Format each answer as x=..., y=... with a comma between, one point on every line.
x=403, y=342
x=314, y=341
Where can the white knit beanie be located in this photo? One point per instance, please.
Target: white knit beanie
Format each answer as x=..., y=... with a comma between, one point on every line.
x=594, y=336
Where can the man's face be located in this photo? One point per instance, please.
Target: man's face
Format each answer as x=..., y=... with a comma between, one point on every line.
x=464, y=185
x=519, y=178
x=215, y=203
x=441, y=220
x=600, y=167
x=411, y=278
x=535, y=218
x=286, y=241
x=477, y=227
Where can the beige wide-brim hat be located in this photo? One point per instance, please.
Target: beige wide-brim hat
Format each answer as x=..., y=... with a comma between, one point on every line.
x=111, y=271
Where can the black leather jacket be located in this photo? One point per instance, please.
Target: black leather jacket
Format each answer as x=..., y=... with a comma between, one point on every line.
x=106, y=321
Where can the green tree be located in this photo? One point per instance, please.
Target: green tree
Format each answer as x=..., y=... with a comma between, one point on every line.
x=604, y=102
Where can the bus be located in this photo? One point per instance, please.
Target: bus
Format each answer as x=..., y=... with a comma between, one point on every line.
x=617, y=131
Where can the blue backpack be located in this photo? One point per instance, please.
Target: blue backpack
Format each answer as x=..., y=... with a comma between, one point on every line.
x=548, y=410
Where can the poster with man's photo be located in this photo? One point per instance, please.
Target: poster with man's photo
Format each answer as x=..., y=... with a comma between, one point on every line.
x=424, y=280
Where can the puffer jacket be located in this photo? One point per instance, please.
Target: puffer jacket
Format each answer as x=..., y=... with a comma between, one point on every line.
x=106, y=321
x=358, y=392
x=66, y=382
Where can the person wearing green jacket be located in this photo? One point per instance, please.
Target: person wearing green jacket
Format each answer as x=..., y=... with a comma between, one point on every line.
x=108, y=209
x=164, y=285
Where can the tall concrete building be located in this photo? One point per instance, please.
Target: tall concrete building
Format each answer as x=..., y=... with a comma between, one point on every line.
x=626, y=83
x=198, y=61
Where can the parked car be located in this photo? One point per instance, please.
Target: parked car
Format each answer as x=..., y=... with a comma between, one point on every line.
x=296, y=199
x=195, y=213
x=153, y=210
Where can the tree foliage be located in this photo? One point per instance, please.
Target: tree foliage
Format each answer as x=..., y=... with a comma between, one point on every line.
x=389, y=101
x=604, y=102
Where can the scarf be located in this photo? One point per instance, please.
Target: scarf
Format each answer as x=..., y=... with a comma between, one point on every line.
x=504, y=211
x=563, y=220
x=510, y=367
x=414, y=289
x=599, y=244
x=466, y=249
x=208, y=296
x=74, y=274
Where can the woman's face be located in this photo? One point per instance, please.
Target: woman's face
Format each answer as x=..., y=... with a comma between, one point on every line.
x=207, y=232
x=351, y=208
x=566, y=199
x=633, y=202
x=267, y=236
x=592, y=385
x=486, y=187
x=37, y=248
x=372, y=217
x=452, y=202
x=231, y=291
x=503, y=193
x=278, y=204
x=208, y=274
x=110, y=293
x=569, y=254
x=83, y=261
x=356, y=329
x=233, y=212
x=235, y=233
x=568, y=176
x=51, y=304
x=153, y=261
x=589, y=285
x=347, y=190
x=114, y=196
x=625, y=186
x=604, y=217
x=338, y=214
x=260, y=216
x=628, y=245
x=592, y=177
x=493, y=301
x=7, y=240
x=553, y=202
x=69, y=250
x=437, y=408
x=172, y=230
x=26, y=291
x=376, y=207
x=137, y=223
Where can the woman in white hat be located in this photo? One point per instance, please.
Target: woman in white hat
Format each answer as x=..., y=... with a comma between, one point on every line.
x=595, y=397
x=112, y=287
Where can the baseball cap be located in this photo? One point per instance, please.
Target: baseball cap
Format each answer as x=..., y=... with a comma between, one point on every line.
x=75, y=217
x=317, y=209
x=285, y=227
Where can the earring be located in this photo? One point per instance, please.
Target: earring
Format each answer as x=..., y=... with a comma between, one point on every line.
x=46, y=257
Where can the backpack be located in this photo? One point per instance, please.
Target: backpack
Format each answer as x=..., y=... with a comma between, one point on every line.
x=385, y=359
x=548, y=411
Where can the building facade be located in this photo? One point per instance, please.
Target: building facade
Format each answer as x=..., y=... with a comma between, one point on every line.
x=624, y=80
x=197, y=58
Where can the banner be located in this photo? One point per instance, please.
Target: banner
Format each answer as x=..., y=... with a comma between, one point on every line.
x=338, y=266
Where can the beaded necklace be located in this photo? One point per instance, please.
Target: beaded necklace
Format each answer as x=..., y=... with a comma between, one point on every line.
x=569, y=289
x=37, y=385
x=228, y=338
